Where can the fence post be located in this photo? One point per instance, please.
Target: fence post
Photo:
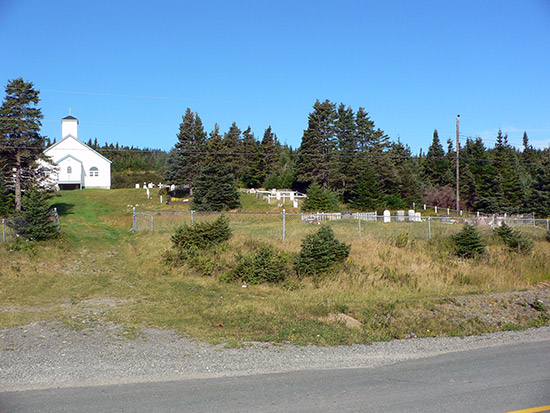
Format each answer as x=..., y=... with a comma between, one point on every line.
x=4, y=229
x=152, y=223
x=192, y=216
x=429, y=228
x=359, y=222
x=134, y=223
x=547, y=225
x=56, y=217
x=284, y=224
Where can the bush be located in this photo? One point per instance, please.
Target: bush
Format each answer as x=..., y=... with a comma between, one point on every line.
x=468, y=242
x=320, y=251
x=264, y=266
x=320, y=199
x=514, y=239
x=202, y=235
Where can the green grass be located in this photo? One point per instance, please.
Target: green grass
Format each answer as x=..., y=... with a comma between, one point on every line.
x=100, y=271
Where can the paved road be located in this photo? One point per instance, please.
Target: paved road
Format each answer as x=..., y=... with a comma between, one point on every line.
x=498, y=379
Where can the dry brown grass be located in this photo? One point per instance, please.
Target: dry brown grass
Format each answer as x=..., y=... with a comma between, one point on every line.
x=380, y=285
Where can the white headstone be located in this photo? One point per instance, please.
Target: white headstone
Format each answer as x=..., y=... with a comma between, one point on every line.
x=295, y=203
x=137, y=186
x=417, y=217
x=400, y=215
x=278, y=195
x=292, y=196
x=387, y=216
x=411, y=215
x=435, y=208
x=172, y=187
x=148, y=194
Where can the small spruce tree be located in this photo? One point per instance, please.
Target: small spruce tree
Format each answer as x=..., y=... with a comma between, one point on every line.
x=468, y=242
x=320, y=251
x=37, y=213
x=514, y=239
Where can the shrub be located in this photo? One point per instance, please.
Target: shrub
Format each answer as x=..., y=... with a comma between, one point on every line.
x=320, y=251
x=264, y=266
x=514, y=239
x=202, y=235
x=468, y=242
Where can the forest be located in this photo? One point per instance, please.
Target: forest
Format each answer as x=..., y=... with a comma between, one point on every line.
x=343, y=153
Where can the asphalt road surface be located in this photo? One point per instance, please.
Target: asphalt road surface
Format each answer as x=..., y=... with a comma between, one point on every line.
x=497, y=379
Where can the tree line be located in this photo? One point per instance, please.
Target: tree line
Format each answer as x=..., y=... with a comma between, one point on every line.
x=344, y=155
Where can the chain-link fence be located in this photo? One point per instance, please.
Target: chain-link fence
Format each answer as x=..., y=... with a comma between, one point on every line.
x=347, y=226
x=14, y=227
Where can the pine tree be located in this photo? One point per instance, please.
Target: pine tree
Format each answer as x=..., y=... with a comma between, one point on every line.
x=468, y=242
x=435, y=165
x=346, y=136
x=318, y=145
x=185, y=159
x=6, y=199
x=232, y=145
x=37, y=213
x=252, y=169
x=21, y=144
x=320, y=199
x=215, y=187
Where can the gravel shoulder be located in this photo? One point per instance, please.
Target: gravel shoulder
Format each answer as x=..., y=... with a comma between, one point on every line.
x=50, y=355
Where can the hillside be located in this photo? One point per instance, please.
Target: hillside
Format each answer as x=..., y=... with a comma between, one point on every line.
x=392, y=286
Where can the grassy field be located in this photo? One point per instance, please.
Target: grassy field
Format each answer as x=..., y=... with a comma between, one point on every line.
x=100, y=271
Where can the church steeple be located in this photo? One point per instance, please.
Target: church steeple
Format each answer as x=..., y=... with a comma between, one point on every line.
x=69, y=126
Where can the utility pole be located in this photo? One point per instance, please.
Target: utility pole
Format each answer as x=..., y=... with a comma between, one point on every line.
x=457, y=167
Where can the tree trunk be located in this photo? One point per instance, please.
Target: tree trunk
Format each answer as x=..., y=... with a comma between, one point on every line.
x=18, y=182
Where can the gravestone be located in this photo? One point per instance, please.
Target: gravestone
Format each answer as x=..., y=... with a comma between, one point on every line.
x=400, y=216
x=137, y=186
x=411, y=215
x=387, y=216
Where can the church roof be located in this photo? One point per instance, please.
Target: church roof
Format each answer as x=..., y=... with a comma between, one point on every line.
x=81, y=143
x=70, y=117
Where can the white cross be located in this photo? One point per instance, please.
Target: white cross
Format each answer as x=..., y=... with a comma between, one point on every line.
x=70, y=111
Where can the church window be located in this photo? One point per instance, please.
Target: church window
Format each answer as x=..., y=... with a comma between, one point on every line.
x=94, y=171
x=69, y=169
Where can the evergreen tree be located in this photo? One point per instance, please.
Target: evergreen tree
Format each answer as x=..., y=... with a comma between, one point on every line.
x=232, y=145
x=318, y=144
x=468, y=242
x=21, y=144
x=6, y=199
x=435, y=166
x=270, y=149
x=37, y=213
x=347, y=148
x=185, y=159
x=215, y=187
x=320, y=199
x=252, y=176
x=539, y=198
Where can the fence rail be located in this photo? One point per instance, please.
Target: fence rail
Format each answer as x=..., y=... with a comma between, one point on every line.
x=348, y=226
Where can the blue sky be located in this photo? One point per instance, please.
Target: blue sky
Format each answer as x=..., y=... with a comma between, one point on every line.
x=129, y=69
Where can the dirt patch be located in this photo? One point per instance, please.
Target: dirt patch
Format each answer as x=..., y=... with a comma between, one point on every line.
x=349, y=321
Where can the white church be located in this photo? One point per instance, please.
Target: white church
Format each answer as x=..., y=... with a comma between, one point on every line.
x=74, y=164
